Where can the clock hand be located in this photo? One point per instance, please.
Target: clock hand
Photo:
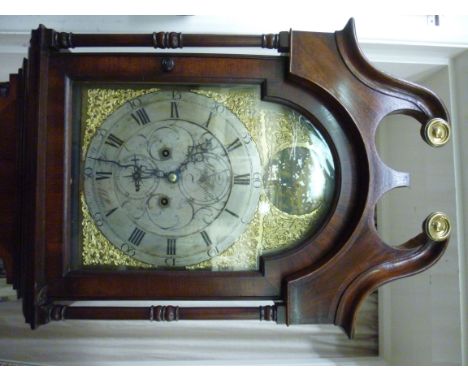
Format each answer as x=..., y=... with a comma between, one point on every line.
x=137, y=170
x=157, y=173
x=136, y=174
x=163, y=174
x=194, y=154
x=113, y=162
x=143, y=177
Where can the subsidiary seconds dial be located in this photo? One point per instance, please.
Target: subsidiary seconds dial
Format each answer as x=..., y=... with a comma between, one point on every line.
x=172, y=178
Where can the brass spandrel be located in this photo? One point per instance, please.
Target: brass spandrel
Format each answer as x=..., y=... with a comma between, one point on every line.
x=97, y=250
x=99, y=104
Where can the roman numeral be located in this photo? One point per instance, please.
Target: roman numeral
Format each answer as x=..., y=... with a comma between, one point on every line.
x=171, y=247
x=103, y=175
x=109, y=213
x=243, y=179
x=112, y=140
x=206, y=238
x=231, y=213
x=137, y=236
x=141, y=117
x=234, y=145
x=174, y=110
x=209, y=119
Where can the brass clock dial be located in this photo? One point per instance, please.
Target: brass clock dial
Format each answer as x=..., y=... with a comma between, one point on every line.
x=200, y=178
x=172, y=178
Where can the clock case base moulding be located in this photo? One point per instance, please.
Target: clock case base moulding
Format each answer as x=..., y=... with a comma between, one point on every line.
x=322, y=280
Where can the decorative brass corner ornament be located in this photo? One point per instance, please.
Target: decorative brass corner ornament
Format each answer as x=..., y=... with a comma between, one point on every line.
x=436, y=132
x=437, y=226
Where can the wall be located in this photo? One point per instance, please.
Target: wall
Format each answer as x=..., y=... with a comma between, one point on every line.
x=459, y=93
x=424, y=322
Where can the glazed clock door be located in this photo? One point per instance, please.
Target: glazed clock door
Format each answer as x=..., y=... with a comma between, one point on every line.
x=192, y=178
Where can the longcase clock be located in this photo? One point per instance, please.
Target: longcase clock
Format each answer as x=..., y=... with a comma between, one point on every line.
x=173, y=176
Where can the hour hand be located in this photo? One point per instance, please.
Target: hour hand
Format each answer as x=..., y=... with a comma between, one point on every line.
x=155, y=172
x=195, y=154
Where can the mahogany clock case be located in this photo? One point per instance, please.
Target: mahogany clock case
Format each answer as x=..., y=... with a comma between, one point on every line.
x=67, y=71
x=323, y=279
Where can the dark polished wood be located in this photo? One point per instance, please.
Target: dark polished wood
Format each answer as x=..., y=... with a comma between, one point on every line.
x=324, y=279
x=9, y=148
x=161, y=313
x=364, y=262
x=170, y=40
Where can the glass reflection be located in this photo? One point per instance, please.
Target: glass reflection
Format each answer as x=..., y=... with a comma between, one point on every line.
x=299, y=180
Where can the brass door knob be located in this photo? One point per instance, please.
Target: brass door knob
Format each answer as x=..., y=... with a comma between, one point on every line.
x=437, y=226
x=436, y=132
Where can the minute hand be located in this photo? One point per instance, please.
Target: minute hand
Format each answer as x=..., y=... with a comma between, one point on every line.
x=113, y=162
x=194, y=154
x=156, y=172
